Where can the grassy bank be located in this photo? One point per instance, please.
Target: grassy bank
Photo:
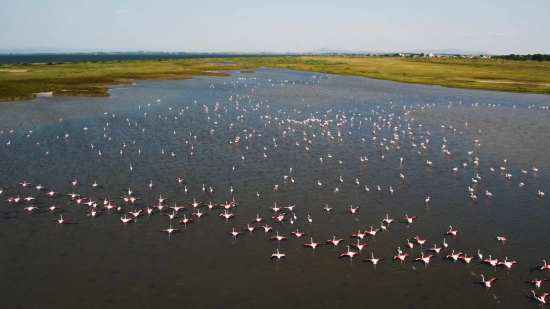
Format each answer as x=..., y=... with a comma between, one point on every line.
x=22, y=81
x=486, y=74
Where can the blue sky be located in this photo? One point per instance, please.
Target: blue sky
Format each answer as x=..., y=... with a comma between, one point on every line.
x=499, y=27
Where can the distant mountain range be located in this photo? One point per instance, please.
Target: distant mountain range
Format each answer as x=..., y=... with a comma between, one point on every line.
x=53, y=50
x=417, y=51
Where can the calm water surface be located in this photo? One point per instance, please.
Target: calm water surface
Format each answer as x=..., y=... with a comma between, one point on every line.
x=282, y=119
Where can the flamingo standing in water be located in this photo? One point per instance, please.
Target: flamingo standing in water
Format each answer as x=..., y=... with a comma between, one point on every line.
x=424, y=259
x=298, y=233
x=373, y=260
x=350, y=254
x=435, y=249
x=278, y=256
x=313, y=245
x=387, y=220
x=185, y=220
x=502, y=239
x=125, y=220
x=249, y=228
x=278, y=237
x=454, y=256
x=359, y=234
x=544, y=266
x=359, y=245
x=235, y=234
x=451, y=232
x=507, y=264
x=400, y=256
x=335, y=241
x=170, y=231
x=61, y=220
x=267, y=228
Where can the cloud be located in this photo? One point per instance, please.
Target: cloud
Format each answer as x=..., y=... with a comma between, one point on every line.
x=121, y=12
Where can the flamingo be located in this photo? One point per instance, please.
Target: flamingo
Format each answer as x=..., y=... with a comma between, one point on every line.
x=278, y=237
x=544, y=266
x=424, y=259
x=359, y=245
x=249, y=228
x=177, y=208
x=454, y=256
x=30, y=209
x=313, y=244
x=326, y=208
x=372, y=232
x=52, y=208
x=195, y=204
x=445, y=244
x=198, y=214
x=170, y=231
x=267, y=228
x=373, y=260
x=451, y=232
x=227, y=215
x=466, y=258
x=359, y=234
x=502, y=239
x=309, y=219
x=234, y=234
x=350, y=254
x=419, y=241
x=479, y=255
x=537, y=282
x=61, y=220
x=353, y=209
x=278, y=256
x=400, y=257
x=541, y=299
x=335, y=241
x=125, y=220
x=387, y=220
x=409, y=219
x=210, y=205
x=488, y=282
x=298, y=234
x=185, y=220
x=258, y=219
x=507, y=264
x=435, y=249
x=410, y=244
x=492, y=262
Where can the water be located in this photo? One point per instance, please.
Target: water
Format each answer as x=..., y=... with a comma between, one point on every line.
x=103, y=263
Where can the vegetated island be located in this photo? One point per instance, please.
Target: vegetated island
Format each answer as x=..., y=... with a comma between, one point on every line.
x=91, y=78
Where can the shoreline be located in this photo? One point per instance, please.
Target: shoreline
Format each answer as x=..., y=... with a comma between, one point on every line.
x=25, y=82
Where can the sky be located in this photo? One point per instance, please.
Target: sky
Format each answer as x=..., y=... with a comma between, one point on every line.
x=493, y=26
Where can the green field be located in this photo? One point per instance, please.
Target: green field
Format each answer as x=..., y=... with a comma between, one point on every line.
x=22, y=81
x=488, y=74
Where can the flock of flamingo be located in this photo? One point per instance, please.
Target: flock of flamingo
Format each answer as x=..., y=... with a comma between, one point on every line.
x=128, y=205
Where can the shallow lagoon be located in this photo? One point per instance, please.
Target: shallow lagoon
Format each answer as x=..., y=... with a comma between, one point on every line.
x=104, y=263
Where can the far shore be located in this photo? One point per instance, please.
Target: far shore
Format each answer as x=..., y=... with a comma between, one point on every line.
x=19, y=82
